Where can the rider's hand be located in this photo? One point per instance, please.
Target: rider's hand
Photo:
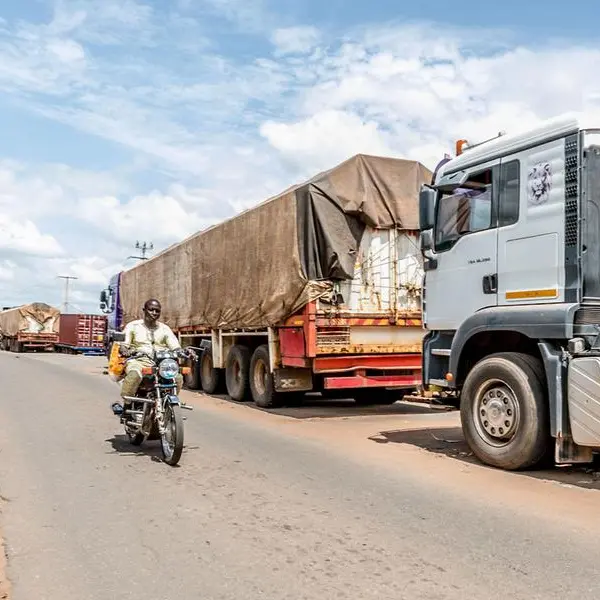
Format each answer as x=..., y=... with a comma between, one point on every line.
x=186, y=353
x=125, y=351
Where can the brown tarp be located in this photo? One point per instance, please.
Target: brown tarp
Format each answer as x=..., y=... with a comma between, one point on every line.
x=32, y=318
x=266, y=263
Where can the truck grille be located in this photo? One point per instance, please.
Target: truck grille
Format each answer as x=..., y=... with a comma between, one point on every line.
x=588, y=315
x=571, y=190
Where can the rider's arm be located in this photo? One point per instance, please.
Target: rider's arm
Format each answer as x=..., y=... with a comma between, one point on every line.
x=125, y=345
x=128, y=331
x=171, y=339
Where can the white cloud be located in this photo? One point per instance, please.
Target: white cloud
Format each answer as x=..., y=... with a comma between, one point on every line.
x=24, y=237
x=7, y=270
x=154, y=217
x=295, y=40
x=67, y=51
x=326, y=138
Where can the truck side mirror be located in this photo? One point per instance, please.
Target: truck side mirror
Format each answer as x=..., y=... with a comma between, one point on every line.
x=426, y=208
x=426, y=240
x=103, y=298
x=427, y=250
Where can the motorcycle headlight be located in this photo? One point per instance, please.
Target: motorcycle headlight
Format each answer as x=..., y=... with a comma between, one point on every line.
x=168, y=368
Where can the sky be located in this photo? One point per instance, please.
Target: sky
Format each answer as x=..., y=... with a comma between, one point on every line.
x=148, y=120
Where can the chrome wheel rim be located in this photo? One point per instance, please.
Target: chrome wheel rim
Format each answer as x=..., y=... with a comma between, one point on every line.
x=496, y=413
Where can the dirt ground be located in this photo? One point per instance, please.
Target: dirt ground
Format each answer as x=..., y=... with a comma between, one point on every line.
x=4, y=583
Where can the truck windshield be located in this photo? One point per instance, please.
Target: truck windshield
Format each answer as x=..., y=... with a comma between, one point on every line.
x=464, y=211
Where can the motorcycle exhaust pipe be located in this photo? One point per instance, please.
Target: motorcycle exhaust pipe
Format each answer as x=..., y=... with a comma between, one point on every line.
x=133, y=399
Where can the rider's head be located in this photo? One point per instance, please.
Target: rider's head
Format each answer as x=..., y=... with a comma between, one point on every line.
x=152, y=310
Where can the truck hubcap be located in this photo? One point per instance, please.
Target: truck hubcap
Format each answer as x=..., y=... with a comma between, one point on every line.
x=496, y=414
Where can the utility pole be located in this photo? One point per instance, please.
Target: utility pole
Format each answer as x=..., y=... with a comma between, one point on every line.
x=67, y=278
x=143, y=248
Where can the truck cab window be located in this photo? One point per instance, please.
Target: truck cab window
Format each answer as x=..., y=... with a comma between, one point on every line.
x=508, y=203
x=467, y=210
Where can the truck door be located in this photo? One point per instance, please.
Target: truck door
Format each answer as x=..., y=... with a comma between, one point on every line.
x=466, y=245
x=531, y=226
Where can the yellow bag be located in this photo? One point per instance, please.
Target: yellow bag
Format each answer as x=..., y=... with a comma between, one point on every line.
x=116, y=363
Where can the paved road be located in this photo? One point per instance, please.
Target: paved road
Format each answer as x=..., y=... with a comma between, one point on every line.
x=267, y=506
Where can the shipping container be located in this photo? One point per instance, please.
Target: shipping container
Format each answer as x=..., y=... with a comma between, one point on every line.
x=82, y=332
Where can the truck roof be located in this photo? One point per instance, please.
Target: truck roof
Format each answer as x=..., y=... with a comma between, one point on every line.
x=509, y=144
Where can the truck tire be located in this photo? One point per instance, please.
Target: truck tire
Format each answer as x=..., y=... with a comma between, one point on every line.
x=261, y=380
x=504, y=411
x=237, y=370
x=192, y=381
x=211, y=379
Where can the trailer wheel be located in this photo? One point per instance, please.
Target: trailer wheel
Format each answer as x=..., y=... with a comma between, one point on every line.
x=261, y=380
x=504, y=412
x=192, y=381
x=237, y=373
x=211, y=379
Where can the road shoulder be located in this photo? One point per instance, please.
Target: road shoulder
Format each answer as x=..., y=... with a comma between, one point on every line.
x=4, y=583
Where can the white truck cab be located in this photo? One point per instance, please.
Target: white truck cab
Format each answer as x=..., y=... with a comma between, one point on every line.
x=510, y=235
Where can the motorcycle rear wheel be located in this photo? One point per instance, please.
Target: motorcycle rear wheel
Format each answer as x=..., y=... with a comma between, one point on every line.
x=172, y=449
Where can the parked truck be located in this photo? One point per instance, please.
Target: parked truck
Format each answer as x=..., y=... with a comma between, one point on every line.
x=510, y=234
x=316, y=289
x=29, y=327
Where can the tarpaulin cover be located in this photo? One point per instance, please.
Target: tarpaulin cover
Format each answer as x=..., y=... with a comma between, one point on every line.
x=266, y=263
x=30, y=318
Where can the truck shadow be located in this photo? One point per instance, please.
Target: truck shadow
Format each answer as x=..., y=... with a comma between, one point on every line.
x=449, y=441
x=317, y=407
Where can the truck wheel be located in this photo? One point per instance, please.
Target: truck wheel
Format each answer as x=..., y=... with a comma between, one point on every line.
x=211, y=379
x=261, y=380
x=192, y=381
x=236, y=373
x=504, y=412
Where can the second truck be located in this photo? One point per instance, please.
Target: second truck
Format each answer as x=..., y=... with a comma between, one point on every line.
x=316, y=289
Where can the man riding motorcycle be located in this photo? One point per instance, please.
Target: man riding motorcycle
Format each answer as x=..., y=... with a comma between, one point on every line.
x=145, y=336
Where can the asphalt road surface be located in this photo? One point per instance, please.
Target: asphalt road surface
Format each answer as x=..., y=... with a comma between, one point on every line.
x=279, y=506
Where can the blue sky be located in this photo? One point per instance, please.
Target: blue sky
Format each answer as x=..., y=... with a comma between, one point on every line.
x=140, y=119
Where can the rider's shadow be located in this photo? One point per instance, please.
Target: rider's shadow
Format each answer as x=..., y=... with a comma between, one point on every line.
x=122, y=445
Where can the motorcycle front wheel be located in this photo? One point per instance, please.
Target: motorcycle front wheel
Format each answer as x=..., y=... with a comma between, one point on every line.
x=172, y=438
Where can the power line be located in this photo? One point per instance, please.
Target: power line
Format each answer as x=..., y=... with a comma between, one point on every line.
x=67, y=278
x=145, y=247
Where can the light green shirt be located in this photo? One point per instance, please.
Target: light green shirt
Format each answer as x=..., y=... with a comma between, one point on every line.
x=140, y=338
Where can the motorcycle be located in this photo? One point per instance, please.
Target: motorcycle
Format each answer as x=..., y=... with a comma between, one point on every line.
x=155, y=410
